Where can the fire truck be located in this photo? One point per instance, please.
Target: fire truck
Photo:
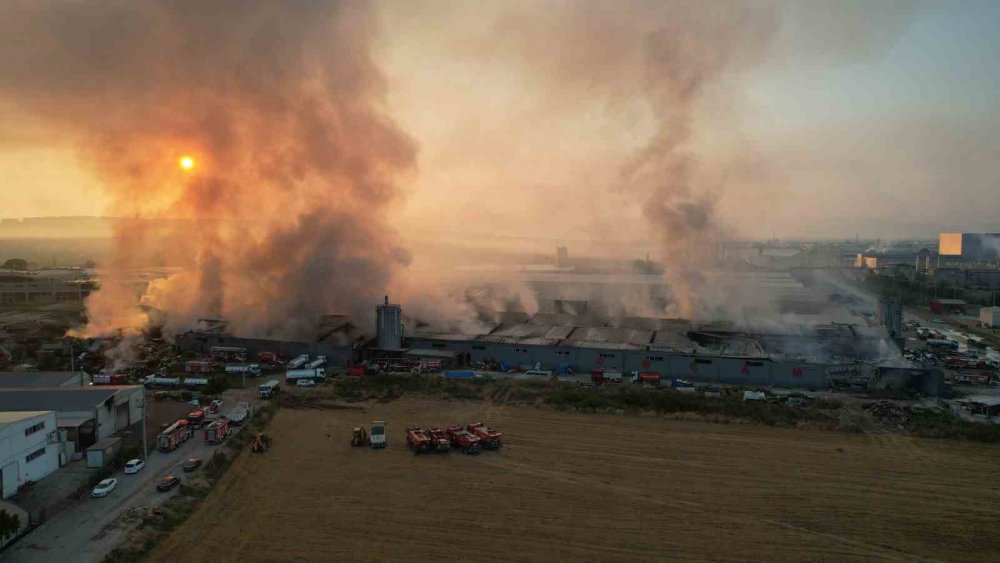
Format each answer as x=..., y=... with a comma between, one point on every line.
x=173, y=436
x=217, y=431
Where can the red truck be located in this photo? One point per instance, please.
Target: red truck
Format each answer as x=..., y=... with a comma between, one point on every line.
x=356, y=371
x=488, y=437
x=439, y=439
x=271, y=357
x=463, y=439
x=196, y=418
x=417, y=440
x=173, y=436
x=217, y=431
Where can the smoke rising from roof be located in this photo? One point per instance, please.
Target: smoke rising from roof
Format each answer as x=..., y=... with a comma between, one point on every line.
x=283, y=218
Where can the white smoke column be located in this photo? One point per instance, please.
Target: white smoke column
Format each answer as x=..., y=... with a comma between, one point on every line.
x=284, y=216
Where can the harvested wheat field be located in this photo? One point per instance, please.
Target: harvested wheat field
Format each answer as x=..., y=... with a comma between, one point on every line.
x=571, y=486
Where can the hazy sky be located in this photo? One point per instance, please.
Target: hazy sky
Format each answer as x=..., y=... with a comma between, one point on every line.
x=874, y=118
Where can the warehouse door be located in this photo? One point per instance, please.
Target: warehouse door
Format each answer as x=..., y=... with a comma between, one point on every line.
x=121, y=417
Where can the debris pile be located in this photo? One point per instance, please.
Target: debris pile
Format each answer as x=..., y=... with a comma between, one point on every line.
x=888, y=412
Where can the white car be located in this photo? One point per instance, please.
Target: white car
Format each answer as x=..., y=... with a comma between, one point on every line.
x=305, y=383
x=134, y=466
x=104, y=487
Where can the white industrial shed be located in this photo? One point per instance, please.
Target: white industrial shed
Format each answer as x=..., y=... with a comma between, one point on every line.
x=29, y=448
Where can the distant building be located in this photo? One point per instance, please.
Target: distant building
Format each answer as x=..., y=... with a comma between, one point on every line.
x=890, y=315
x=983, y=279
x=948, y=276
x=892, y=257
x=990, y=316
x=29, y=448
x=948, y=306
x=969, y=247
x=42, y=379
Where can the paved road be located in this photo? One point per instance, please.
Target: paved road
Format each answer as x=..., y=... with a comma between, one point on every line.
x=75, y=534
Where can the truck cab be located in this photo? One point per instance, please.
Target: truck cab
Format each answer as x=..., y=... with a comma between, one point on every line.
x=377, y=437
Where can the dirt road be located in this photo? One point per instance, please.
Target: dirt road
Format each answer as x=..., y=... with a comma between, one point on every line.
x=594, y=487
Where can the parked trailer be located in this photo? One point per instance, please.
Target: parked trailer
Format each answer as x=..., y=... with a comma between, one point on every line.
x=942, y=343
x=488, y=437
x=195, y=381
x=269, y=389
x=298, y=361
x=252, y=370
x=110, y=379
x=296, y=374
x=463, y=439
x=198, y=366
x=163, y=381
x=320, y=361
x=417, y=440
x=356, y=371
x=216, y=432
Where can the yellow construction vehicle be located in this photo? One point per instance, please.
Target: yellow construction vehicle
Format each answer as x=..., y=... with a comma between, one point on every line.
x=260, y=442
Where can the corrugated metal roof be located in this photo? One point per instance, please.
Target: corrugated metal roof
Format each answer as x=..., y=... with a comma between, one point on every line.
x=429, y=353
x=38, y=378
x=602, y=345
x=59, y=399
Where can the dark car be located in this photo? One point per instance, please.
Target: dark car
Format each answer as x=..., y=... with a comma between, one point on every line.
x=191, y=464
x=167, y=483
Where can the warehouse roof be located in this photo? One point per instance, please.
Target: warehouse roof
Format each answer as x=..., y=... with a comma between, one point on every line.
x=39, y=378
x=8, y=417
x=989, y=400
x=59, y=399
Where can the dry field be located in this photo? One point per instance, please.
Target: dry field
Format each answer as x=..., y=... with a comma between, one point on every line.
x=570, y=486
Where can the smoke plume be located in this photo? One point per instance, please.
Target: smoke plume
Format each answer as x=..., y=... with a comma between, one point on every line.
x=688, y=51
x=283, y=217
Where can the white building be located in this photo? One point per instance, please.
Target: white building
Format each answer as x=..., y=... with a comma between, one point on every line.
x=990, y=316
x=29, y=448
x=88, y=414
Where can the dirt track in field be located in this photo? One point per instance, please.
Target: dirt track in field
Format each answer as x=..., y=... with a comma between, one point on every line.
x=569, y=486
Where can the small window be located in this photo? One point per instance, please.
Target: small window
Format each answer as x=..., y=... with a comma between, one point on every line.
x=607, y=355
x=437, y=344
x=755, y=364
x=476, y=347
x=34, y=455
x=699, y=361
x=34, y=428
x=655, y=358
x=521, y=350
x=562, y=352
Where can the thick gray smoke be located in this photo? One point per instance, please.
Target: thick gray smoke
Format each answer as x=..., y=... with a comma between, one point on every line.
x=281, y=215
x=689, y=49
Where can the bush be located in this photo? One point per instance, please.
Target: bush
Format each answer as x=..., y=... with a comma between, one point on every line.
x=943, y=424
x=10, y=524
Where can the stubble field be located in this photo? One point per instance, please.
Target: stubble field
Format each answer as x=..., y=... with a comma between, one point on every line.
x=570, y=486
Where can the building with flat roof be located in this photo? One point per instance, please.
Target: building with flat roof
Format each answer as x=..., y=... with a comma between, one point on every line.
x=29, y=448
x=969, y=247
x=42, y=379
x=88, y=414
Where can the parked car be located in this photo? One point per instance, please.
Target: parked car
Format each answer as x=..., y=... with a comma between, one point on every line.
x=305, y=383
x=134, y=466
x=104, y=488
x=167, y=483
x=191, y=464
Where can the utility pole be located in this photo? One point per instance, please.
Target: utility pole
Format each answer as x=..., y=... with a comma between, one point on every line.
x=145, y=454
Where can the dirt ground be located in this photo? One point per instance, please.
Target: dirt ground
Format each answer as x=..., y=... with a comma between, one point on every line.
x=570, y=486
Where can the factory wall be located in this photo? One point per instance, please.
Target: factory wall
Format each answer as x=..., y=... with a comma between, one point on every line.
x=336, y=355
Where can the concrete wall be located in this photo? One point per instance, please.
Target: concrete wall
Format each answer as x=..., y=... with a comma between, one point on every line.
x=15, y=447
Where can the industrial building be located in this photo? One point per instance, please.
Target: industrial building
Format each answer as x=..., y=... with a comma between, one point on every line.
x=43, y=379
x=29, y=448
x=882, y=258
x=18, y=289
x=336, y=338
x=88, y=414
x=969, y=247
x=990, y=316
x=815, y=358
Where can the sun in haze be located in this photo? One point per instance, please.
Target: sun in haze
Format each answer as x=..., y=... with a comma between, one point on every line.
x=186, y=162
